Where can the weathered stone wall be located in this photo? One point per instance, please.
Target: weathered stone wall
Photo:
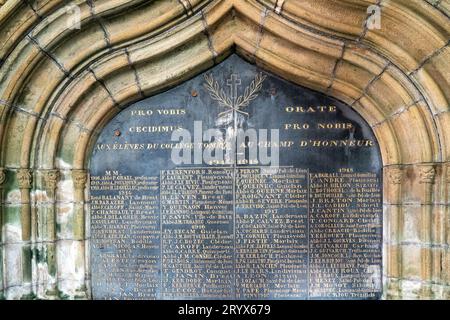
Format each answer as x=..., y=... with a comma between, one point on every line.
x=59, y=85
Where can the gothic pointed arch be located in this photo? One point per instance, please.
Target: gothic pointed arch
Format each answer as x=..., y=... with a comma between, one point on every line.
x=67, y=67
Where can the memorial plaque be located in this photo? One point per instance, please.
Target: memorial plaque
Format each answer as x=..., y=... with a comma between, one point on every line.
x=236, y=185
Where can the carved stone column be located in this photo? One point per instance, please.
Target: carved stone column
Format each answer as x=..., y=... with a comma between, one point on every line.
x=394, y=256
x=48, y=230
x=25, y=182
x=427, y=174
x=2, y=181
x=51, y=178
x=79, y=182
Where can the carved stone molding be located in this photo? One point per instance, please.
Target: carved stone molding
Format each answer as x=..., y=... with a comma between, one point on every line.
x=279, y=6
x=79, y=179
x=187, y=6
x=24, y=178
x=395, y=176
x=51, y=178
x=427, y=174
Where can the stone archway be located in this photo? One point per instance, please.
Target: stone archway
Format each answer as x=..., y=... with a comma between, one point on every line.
x=60, y=85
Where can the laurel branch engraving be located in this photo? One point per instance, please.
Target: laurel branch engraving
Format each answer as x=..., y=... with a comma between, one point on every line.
x=250, y=93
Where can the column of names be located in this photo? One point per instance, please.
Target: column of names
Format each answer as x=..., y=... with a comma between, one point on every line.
x=344, y=218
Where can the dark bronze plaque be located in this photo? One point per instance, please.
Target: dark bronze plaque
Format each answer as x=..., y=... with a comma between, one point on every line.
x=189, y=217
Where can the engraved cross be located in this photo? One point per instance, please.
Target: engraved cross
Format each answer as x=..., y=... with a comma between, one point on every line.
x=233, y=83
